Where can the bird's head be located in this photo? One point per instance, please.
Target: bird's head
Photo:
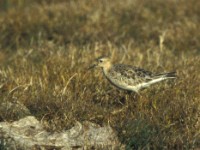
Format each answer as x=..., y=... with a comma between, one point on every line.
x=102, y=62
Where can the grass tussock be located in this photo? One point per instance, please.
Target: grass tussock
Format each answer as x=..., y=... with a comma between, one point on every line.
x=44, y=63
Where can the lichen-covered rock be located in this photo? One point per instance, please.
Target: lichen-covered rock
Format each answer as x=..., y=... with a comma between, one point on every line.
x=28, y=133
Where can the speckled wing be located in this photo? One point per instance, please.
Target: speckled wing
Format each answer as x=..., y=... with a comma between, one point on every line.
x=130, y=74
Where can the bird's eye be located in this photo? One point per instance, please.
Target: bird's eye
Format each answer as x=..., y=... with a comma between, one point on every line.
x=100, y=60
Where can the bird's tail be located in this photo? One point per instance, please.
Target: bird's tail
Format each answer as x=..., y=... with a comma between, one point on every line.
x=166, y=75
x=159, y=77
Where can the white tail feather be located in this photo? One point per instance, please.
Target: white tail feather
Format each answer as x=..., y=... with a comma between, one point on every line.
x=146, y=84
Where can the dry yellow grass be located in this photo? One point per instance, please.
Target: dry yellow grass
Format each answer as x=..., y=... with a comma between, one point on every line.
x=46, y=47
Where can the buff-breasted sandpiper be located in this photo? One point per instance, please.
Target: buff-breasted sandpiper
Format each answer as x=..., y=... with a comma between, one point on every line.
x=129, y=77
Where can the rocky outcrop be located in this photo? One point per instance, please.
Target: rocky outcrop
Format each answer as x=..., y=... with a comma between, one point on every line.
x=28, y=133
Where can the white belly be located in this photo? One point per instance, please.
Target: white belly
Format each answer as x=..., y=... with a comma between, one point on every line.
x=122, y=85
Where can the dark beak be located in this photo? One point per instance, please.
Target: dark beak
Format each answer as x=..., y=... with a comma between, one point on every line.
x=92, y=66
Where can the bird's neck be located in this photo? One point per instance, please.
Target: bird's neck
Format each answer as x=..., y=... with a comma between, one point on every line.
x=107, y=68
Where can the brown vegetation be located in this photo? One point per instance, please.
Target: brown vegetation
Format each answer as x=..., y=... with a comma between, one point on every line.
x=46, y=47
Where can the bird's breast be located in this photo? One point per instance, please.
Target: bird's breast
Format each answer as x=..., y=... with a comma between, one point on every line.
x=117, y=80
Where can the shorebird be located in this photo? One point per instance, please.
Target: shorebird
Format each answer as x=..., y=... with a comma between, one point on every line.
x=129, y=77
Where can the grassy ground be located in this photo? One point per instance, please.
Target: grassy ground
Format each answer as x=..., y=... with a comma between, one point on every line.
x=46, y=47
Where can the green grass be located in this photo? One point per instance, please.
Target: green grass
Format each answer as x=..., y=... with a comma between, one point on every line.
x=46, y=47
